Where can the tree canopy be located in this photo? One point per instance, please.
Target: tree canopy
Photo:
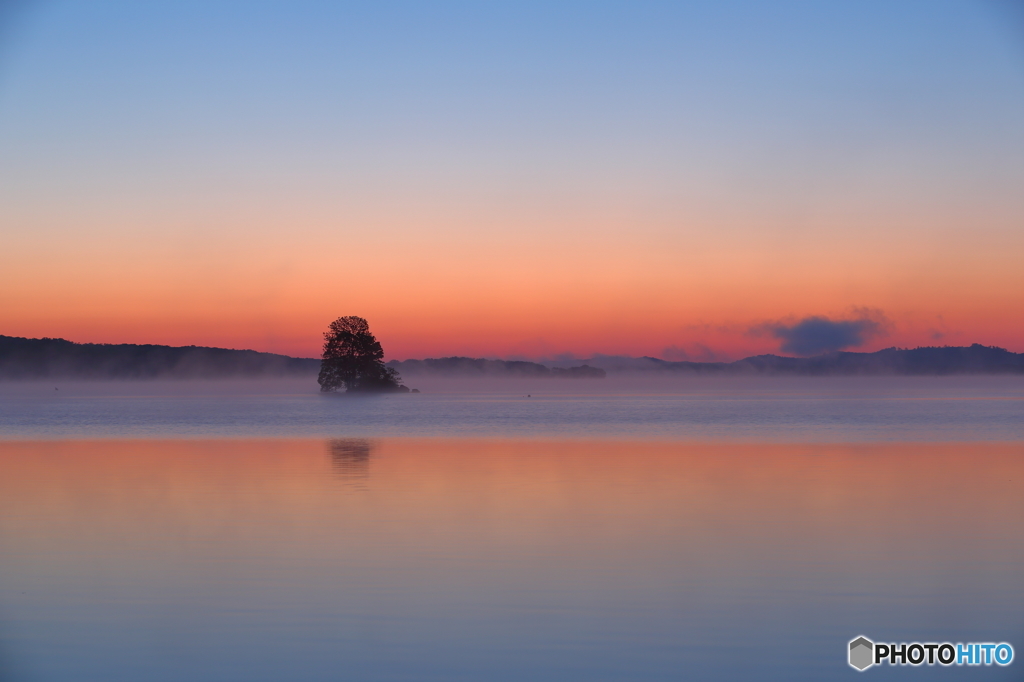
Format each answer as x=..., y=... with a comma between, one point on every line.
x=353, y=359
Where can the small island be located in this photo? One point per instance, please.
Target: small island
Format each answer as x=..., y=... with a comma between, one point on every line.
x=353, y=359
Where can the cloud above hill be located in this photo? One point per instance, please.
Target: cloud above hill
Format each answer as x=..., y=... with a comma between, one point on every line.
x=819, y=334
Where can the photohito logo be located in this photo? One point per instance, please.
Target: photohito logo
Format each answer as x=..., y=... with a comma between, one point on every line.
x=864, y=653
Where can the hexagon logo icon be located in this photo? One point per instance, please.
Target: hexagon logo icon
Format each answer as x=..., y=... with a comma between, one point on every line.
x=861, y=653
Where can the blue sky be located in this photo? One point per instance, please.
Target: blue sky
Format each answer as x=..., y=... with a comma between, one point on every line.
x=853, y=149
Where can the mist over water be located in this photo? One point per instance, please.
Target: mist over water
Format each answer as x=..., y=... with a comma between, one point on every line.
x=780, y=409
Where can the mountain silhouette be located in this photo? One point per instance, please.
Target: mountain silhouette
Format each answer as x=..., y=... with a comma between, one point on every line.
x=56, y=358
x=26, y=359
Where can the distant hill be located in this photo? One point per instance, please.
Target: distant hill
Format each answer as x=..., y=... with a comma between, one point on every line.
x=56, y=358
x=23, y=359
x=479, y=367
x=933, y=360
x=976, y=359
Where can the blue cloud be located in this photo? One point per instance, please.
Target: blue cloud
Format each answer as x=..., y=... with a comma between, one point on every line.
x=815, y=335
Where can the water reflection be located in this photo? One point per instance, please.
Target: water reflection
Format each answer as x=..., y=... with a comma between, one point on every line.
x=350, y=460
x=499, y=560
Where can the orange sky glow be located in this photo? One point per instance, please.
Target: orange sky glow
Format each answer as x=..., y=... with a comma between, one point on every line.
x=175, y=178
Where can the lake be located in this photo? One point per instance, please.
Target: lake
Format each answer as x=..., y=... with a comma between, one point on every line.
x=730, y=531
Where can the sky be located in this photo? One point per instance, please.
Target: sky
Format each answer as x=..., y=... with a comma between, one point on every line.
x=520, y=180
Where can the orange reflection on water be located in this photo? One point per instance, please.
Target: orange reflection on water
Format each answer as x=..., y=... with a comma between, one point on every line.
x=841, y=503
x=471, y=557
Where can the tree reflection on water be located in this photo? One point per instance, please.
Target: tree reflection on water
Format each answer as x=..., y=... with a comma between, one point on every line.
x=350, y=460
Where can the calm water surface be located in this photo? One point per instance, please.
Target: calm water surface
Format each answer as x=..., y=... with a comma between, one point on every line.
x=780, y=410
x=146, y=537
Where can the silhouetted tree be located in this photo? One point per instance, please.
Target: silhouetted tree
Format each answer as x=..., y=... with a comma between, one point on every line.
x=354, y=359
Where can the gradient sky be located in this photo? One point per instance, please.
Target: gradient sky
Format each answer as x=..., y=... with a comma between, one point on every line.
x=513, y=180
